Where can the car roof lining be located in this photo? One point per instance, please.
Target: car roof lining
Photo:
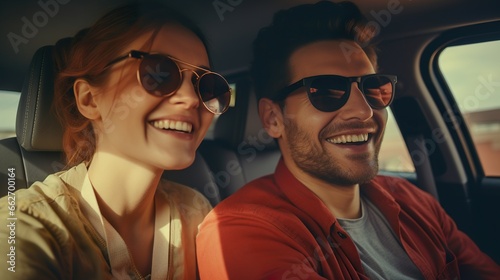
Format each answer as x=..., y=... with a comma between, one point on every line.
x=241, y=21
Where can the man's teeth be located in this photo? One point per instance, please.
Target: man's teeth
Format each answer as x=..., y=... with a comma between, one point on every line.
x=173, y=125
x=348, y=139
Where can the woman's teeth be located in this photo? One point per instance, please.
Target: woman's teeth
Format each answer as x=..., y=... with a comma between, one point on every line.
x=173, y=125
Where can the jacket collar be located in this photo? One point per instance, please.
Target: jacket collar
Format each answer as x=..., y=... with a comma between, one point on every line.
x=305, y=200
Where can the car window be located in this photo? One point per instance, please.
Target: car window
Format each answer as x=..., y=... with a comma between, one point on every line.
x=473, y=75
x=394, y=155
x=8, y=110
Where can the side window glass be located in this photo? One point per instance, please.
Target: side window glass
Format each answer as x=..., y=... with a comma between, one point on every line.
x=472, y=73
x=393, y=155
x=8, y=110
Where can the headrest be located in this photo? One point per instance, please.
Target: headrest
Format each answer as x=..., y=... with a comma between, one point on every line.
x=241, y=126
x=37, y=127
x=254, y=133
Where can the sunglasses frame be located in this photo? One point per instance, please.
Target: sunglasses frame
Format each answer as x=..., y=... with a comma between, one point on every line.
x=141, y=55
x=306, y=82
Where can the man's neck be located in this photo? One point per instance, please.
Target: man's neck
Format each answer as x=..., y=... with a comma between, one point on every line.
x=342, y=201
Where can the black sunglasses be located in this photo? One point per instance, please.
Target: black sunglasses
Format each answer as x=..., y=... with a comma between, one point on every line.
x=161, y=75
x=329, y=93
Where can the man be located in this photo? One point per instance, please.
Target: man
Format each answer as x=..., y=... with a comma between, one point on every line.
x=325, y=214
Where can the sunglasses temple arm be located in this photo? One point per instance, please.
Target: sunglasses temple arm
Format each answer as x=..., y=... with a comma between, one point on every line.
x=282, y=94
x=133, y=54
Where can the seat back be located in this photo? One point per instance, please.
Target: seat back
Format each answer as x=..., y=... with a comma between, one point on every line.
x=238, y=153
x=36, y=151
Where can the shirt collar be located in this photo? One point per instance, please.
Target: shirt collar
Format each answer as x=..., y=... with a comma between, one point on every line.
x=303, y=198
x=121, y=262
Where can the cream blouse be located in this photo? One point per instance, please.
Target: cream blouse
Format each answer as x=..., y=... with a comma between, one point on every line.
x=61, y=234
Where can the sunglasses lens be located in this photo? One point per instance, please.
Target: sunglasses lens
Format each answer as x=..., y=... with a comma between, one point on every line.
x=379, y=91
x=215, y=92
x=327, y=93
x=159, y=75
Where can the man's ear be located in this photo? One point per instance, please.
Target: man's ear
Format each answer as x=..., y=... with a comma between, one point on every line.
x=271, y=117
x=85, y=100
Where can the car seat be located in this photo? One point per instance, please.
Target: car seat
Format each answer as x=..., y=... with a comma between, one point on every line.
x=241, y=150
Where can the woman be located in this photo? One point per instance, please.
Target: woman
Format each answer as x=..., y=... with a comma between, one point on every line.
x=135, y=98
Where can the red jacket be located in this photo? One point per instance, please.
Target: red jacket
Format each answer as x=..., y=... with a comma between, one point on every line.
x=276, y=228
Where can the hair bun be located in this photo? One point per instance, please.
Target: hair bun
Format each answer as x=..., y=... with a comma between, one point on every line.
x=63, y=48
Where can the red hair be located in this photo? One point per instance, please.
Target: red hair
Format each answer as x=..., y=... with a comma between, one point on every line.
x=86, y=56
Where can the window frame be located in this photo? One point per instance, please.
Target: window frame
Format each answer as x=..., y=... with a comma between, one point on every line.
x=471, y=142
x=444, y=98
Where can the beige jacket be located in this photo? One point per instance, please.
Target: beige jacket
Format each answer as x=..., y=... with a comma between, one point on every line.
x=47, y=236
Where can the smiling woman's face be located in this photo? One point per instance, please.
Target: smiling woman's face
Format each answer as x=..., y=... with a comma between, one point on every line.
x=132, y=122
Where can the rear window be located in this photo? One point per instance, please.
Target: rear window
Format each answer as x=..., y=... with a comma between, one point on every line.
x=472, y=73
x=394, y=155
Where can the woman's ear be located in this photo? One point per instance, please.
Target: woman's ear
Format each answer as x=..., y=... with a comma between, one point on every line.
x=271, y=117
x=85, y=100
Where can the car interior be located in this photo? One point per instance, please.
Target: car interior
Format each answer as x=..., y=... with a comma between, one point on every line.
x=449, y=151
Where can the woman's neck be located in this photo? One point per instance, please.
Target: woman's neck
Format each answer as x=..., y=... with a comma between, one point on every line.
x=124, y=190
x=125, y=193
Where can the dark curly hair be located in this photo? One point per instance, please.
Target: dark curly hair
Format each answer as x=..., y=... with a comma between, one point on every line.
x=297, y=27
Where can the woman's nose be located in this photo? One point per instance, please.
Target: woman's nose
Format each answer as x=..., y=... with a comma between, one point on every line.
x=186, y=93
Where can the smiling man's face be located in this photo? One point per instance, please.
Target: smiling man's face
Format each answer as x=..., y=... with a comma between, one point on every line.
x=339, y=147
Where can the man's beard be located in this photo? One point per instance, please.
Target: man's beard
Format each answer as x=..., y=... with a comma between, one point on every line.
x=320, y=164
